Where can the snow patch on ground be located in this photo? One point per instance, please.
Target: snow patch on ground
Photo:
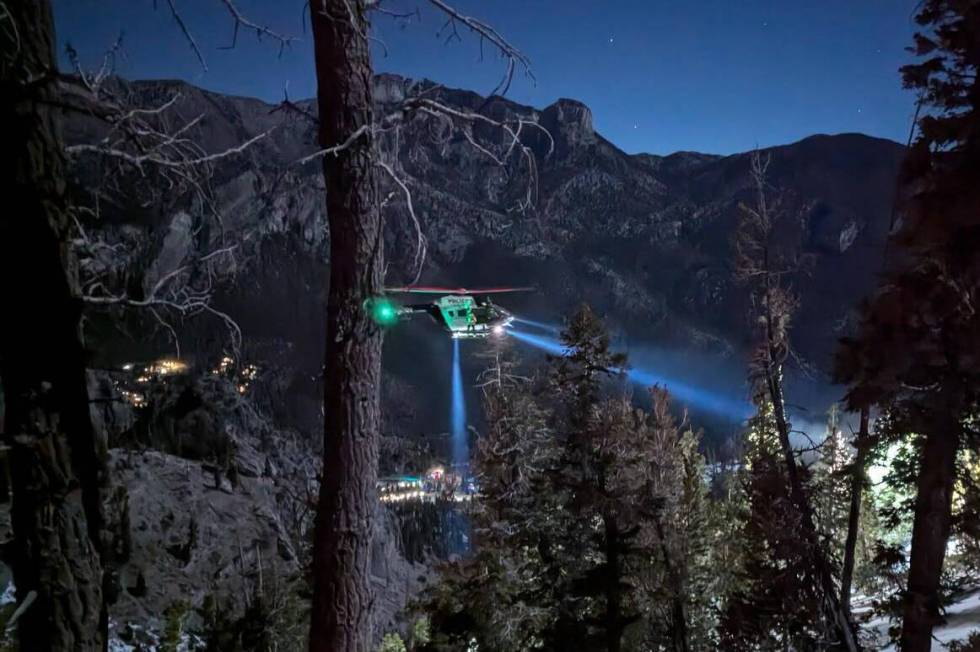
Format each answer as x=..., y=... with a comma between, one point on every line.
x=962, y=618
x=9, y=594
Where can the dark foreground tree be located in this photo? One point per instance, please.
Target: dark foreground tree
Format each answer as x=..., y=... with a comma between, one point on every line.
x=351, y=141
x=779, y=604
x=918, y=350
x=352, y=373
x=57, y=459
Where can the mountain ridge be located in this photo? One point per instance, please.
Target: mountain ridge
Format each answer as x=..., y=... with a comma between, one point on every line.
x=644, y=238
x=310, y=101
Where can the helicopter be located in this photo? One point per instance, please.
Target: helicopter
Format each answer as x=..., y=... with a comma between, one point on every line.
x=463, y=313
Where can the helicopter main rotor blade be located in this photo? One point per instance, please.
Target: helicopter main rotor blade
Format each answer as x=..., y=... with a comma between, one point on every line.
x=428, y=289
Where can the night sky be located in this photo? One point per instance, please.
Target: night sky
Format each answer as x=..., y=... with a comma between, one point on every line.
x=716, y=76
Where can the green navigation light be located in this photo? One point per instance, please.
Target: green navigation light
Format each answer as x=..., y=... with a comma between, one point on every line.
x=383, y=311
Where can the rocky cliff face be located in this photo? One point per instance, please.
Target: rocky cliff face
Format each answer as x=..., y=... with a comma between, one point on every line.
x=645, y=239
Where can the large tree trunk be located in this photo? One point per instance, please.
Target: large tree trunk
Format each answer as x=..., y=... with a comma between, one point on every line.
x=930, y=532
x=341, y=583
x=854, y=514
x=57, y=460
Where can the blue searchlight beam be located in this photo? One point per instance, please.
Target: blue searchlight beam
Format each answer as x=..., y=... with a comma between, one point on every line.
x=458, y=412
x=683, y=392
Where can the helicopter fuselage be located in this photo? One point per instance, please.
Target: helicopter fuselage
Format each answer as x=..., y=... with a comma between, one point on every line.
x=469, y=317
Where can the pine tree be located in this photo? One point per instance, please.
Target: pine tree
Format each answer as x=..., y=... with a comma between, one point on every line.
x=592, y=521
x=919, y=342
x=505, y=594
x=728, y=551
x=676, y=578
x=695, y=521
x=830, y=484
x=856, y=514
x=342, y=591
x=595, y=491
x=761, y=264
x=780, y=602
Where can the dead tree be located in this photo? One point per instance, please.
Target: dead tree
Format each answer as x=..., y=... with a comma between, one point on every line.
x=762, y=269
x=57, y=458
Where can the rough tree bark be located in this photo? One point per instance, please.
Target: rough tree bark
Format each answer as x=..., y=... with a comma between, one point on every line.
x=930, y=532
x=854, y=513
x=342, y=591
x=57, y=458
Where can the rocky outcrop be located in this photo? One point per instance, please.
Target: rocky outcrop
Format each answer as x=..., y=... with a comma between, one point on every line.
x=570, y=124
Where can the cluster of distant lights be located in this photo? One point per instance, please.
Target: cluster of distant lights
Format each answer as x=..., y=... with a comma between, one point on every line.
x=168, y=367
x=154, y=371
x=136, y=399
x=422, y=496
x=416, y=490
x=226, y=367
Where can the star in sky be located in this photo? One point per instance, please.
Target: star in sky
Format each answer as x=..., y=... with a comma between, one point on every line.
x=672, y=50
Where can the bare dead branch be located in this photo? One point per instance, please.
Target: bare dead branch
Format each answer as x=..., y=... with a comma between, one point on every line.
x=336, y=149
x=9, y=25
x=187, y=34
x=420, y=244
x=515, y=58
x=463, y=122
x=239, y=22
x=376, y=6
x=138, y=161
x=261, y=31
x=288, y=106
x=144, y=152
x=93, y=81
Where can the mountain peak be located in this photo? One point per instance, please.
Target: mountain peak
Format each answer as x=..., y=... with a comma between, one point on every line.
x=570, y=123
